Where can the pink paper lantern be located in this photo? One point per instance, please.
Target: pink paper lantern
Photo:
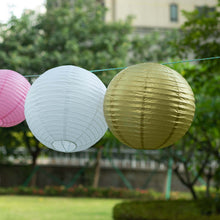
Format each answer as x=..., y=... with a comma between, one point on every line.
x=13, y=91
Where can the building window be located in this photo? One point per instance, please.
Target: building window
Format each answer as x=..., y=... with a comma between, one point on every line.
x=101, y=2
x=205, y=11
x=174, y=12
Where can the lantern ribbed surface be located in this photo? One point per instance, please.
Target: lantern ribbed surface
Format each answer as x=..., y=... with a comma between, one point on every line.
x=64, y=109
x=149, y=106
x=13, y=91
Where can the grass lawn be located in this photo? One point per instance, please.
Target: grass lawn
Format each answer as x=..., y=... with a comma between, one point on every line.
x=55, y=208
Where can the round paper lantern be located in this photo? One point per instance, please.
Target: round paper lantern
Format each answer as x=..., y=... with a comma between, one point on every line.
x=149, y=106
x=64, y=109
x=13, y=91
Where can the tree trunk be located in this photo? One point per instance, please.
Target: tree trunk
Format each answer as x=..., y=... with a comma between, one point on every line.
x=97, y=168
x=34, y=162
x=209, y=177
x=191, y=188
x=35, y=152
x=208, y=188
x=34, y=158
x=187, y=184
x=33, y=180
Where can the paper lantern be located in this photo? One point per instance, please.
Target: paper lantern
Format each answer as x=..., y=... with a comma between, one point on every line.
x=64, y=109
x=149, y=106
x=13, y=91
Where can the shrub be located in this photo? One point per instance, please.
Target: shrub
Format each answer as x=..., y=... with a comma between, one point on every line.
x=80, y=191
x=201, y=191
x=166, y=210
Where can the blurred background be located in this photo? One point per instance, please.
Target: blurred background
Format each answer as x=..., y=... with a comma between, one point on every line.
x=97, y=34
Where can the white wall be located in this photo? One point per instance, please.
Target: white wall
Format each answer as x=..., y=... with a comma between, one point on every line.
x=151, y=13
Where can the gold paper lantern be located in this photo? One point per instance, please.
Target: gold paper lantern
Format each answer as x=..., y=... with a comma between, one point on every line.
x=149, y=106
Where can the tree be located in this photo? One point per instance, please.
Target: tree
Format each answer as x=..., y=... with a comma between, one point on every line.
x=26, y=138
x=198, y=151
x=63, y=35
x=154, y=46
x=104, y=146
x=8, y=144
x=195, y=155
x=200, y=36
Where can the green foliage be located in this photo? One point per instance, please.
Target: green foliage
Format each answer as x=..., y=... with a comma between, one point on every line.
x=8, y=138
x=65, y=35
x=20, y=44
x=201, y=191
x=154, y=46
x=18, y=136
x=166, y=210
x=80, y=36
x=199, y=148
x=200, y=37
x=206, y=122
x=80, y=191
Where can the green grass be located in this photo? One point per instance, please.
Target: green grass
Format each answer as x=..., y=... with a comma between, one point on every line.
x=55, y=208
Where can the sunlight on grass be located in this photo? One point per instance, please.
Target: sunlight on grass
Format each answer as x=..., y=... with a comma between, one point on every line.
x=54, y=208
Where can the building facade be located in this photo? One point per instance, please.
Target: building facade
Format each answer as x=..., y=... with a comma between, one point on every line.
x=159, y=14
x=147, y=14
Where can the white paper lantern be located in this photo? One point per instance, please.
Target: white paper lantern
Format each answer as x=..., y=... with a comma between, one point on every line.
x=64, y=109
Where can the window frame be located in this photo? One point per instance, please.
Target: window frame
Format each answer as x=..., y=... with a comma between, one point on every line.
x=174, y=15
x=204, y=10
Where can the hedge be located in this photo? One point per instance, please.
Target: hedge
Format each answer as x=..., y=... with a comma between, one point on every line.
x=167, y=210
x=80, y=191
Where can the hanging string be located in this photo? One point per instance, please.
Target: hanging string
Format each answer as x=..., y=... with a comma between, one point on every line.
x=181, y=61
x=121, y=68
x=193, y=60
